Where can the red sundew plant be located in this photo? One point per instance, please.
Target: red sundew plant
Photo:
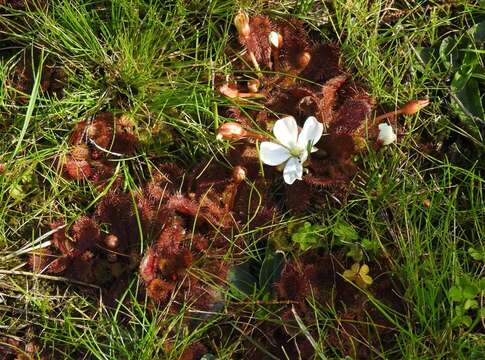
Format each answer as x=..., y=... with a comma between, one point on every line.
x=307, y=83
x=320, y=119
x=94, y=142
x=193, y=228
x=360, y=325
x=53, y=78
x=190, y=222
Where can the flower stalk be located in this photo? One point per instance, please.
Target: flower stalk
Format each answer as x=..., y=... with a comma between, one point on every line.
x=410, y=108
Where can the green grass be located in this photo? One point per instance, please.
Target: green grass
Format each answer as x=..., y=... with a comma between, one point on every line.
x=156, y=61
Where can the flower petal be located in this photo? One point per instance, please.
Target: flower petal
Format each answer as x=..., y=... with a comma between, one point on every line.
x=293, y=170
x=367, y=279
x=349, y=275
x=273, y=154
x=355, y=268
x=364, y=269
x=286, y=131
x=311, y=133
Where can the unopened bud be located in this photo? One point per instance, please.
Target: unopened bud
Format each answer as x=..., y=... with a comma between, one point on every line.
x=304, y=59
x=228, y=91
x=239, y=174
x=275, y=39
x=241, y=21
x=413, y=106
x=111, y=241
x=253, y=85
x=2, y=168
x=231, y=130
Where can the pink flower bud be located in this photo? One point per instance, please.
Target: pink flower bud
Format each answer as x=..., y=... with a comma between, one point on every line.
x=228, y=91
x=111, y=241
x=413, y=106
x=253, y=85
x=304, y=59
x=239, y=174
x=231, y=130
x=241, y=21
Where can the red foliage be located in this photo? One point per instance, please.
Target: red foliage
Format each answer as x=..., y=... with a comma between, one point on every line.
x=159, y=289
x=359, y=324
x=52, y=79
x=257, y=42
x=194, y=351
x=322, y=89
x=94, y=142
x=295, y=43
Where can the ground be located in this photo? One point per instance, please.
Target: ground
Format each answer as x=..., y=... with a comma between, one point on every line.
x=129, y=231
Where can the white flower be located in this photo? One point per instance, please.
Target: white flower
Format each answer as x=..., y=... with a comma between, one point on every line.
x=386, y=134
x=292, y=148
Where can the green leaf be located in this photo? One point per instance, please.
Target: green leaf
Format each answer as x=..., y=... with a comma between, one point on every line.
x=481, y=284
x=427, y=55
x=467, y=97
x=477, y=32
x=345, y=232
x=449, y=54
x=307, y=236
x=355, y=252
x=370, y=245
x=455, y=293
x=466, y=320
x=482, y=312
x=270, y=270
x=470, y=304
x=243, y=279
x=470, y=291
x=475, y=254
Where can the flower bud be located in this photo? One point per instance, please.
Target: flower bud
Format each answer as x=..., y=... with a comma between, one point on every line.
x=304, y=59
x=231, y=130
x=275, y=39
x=413, y=106
x=111, y=241
x=241, y=21
x=2, y=168
x=228, y=91
x=253, y=85
x=239, y=174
